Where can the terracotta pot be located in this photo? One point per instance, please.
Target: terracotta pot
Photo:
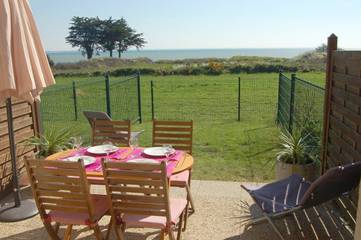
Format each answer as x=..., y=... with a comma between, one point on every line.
x=309, y=171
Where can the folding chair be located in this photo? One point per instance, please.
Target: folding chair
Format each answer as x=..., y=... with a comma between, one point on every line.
x=179, y=134
x=139, y=198
x=284, y=197
x=62, y=195
x=91, y=116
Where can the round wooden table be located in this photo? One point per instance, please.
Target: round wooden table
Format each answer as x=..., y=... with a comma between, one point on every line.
x=97, y=177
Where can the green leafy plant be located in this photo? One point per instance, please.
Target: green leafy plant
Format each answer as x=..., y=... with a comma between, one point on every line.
x=295, y=148
x=52, y=141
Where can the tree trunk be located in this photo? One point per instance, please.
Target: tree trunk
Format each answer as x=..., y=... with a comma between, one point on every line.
x=110, y=53
x=89, y=53
x=119, y=54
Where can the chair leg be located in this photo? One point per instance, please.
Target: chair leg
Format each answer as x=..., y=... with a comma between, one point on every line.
x=67, y=235
x=185, y=217
x=110, y=225
x=171, y=234
x=97, y=232
x=118, y=232
x=56, y=227
x=52, y=233
x=180, y=225
x=189, y=197
x=162, y=234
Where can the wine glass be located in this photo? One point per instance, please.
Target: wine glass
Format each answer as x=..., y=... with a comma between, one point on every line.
x=108, y=148
x=168, y=150
x=78, y=142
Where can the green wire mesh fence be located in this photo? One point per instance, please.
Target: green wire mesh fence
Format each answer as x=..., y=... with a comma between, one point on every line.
x=214, y=100
x=62, y=107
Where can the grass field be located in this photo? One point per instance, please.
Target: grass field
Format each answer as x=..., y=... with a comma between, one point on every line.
x=224, y=149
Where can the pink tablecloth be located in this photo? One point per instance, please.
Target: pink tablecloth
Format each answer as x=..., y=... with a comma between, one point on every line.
x=126, y=154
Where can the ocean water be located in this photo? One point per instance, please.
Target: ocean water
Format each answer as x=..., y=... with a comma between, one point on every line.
x=74, y=56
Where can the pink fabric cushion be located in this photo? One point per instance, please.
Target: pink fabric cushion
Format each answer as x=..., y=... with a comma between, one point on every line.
x=101, y=207
x=177, y=206
x=180, y=179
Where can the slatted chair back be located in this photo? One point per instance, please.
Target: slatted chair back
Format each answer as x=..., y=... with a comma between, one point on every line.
x=179, y=134
x=117, y=132
x=59, y=186
x=137, y=189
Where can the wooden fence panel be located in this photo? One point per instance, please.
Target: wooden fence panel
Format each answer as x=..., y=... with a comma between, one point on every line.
x=25, y=124
x=343, y=129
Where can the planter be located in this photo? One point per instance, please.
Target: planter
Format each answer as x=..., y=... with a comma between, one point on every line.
x=309, y=171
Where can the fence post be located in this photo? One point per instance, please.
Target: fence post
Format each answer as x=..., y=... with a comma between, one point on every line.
x=152, y=98
x=331, y=46
x=278, y=120
x=239, y=99
x=107, y=94
x=75, y=102
x=139, y=99
x=292, y=102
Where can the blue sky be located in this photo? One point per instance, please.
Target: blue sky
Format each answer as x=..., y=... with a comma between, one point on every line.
x=186, y=24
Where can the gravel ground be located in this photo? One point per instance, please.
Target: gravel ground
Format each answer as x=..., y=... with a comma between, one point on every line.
x=217, y=216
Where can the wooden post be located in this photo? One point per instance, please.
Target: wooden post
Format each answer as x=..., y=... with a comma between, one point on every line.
x=331, y=46
x=358, y=221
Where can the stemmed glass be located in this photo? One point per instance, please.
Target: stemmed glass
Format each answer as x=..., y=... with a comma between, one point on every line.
x=168, y=151
x=108, y=148
x=76, y=142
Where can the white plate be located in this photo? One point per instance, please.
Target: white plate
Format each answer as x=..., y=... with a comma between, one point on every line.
x=100, y=149
x=142, y=160
x=157, y=151
x=87, y=159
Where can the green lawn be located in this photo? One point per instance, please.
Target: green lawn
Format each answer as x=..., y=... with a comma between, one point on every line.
x=224, y=149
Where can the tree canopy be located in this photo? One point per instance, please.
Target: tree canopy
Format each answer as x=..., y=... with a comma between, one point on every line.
x=93, y=34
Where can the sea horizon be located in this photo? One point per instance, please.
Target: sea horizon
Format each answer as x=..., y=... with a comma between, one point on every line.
x=178, y=54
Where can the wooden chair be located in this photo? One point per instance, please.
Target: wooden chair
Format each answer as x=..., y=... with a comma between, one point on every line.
x=179, y=134
x=61, y=193
x=138, y=195
x=117, y=132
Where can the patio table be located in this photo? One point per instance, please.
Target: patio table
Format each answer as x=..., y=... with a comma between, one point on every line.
x=96, y=177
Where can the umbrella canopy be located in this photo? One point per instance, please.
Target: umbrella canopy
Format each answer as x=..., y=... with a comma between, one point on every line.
x=24, y=67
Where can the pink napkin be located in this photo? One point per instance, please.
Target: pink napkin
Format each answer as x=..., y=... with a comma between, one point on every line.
x=137, y=153
x=172, y=160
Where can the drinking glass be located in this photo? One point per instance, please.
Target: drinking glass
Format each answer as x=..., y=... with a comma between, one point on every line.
x=108, y=148
x=133, y=143
x=168, y=150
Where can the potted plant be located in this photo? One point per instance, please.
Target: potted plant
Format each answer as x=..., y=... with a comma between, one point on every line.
x=52, y=141
x=297, y=156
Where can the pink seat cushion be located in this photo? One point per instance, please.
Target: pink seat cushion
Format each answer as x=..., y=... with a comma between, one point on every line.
x=100, y=205
x=177, y=206
x=180, y=179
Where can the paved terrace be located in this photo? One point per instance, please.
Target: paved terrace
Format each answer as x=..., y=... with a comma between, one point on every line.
x=219, y=210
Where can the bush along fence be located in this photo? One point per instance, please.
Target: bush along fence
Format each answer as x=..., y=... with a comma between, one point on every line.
x=118, y=97
x=214, y=100
x=300, y=106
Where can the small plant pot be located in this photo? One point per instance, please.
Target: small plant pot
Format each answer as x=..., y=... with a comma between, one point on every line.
x=309, y=171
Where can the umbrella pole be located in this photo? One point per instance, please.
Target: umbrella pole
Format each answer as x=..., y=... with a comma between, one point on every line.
x=19, y=209
x=15, y=180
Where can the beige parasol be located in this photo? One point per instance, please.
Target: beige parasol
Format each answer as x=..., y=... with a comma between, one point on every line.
x=24, y=73
x=24, y=67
